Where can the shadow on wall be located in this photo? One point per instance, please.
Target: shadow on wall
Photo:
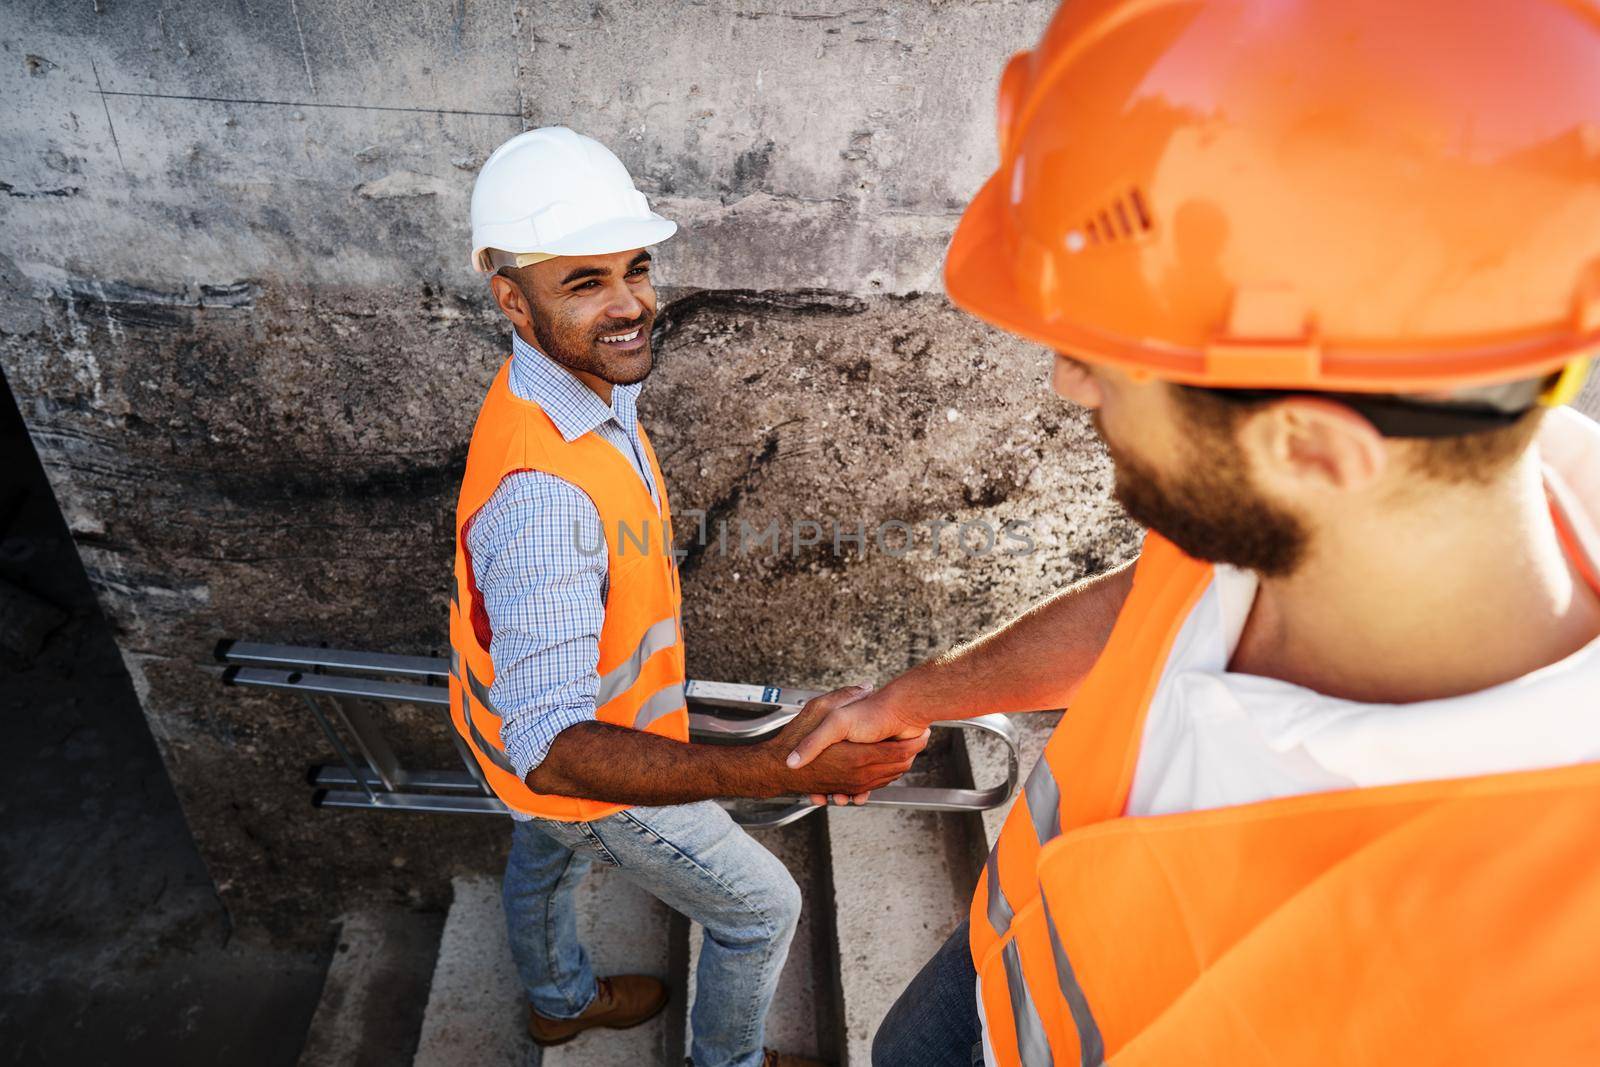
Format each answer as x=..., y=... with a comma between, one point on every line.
x=118, y=950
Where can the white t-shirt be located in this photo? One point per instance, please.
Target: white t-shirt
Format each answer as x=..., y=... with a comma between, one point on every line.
x=1213, y=738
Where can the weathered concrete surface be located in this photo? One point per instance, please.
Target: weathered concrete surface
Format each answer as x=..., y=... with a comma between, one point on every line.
x=476, y=1010
x=163, y=144
x=901, y=884
x=859, y=414
x=323, y=141
x=474, y=1006
x=370, y=1011
x=235, y=308
x=849, y=137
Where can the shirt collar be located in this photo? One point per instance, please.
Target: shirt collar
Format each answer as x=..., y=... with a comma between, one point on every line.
x=571, y=405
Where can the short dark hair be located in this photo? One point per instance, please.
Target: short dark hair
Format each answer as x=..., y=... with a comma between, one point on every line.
x=1474, y=458
x=1461, y=459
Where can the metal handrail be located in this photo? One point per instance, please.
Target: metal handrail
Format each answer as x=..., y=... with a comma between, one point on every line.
x=720, y=713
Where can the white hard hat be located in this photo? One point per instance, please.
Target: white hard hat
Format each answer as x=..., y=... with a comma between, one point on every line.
x=551, y=192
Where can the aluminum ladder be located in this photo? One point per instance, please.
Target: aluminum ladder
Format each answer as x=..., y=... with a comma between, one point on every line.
x=339, y=685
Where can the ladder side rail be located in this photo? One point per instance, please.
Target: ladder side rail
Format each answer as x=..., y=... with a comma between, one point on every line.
x=338, y=746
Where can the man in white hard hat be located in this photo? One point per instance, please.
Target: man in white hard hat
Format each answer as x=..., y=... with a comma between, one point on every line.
x=568, y=669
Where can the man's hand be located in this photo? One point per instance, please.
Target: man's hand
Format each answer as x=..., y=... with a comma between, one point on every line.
x=853, y=716
x=599, y=761
x=1035, y=662
x=844, y=767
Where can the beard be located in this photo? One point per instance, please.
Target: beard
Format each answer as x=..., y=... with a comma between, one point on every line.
x=577, y=346
x=1212, y=510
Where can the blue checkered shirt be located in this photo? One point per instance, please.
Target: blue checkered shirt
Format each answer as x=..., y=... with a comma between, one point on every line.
x=545, y=598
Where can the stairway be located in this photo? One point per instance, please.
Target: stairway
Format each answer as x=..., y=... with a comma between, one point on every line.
x=883, y=889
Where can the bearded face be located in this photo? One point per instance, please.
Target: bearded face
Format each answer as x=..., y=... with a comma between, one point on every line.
x=1208, y=505
x=594, y=313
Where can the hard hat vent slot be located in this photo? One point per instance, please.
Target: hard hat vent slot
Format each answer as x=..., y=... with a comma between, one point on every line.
x=1124, y=219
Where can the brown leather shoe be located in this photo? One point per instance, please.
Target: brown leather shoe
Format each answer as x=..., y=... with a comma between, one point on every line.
x=623, y=1001
x=774, y=1058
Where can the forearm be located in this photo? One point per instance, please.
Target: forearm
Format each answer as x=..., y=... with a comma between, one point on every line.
x=596, y=761
x=1035, y=662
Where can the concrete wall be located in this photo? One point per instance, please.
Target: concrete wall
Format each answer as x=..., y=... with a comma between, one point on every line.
x=237, y=315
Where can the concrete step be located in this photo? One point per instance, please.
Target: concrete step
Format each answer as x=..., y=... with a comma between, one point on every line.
x=474, y=1005
x=476, y=1012
x=902, y=881
x=373, y=996
x=804, y=1019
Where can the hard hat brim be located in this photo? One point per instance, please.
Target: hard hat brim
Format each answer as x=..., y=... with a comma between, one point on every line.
x=614, y=235
x=602, y=239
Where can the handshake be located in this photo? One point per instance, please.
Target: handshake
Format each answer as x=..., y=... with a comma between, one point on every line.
x=842, y=746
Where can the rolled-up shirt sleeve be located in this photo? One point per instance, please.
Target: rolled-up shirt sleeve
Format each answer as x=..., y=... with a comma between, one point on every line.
x=538, y=557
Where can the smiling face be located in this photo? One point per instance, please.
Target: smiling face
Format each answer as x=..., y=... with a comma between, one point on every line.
x=591, y=314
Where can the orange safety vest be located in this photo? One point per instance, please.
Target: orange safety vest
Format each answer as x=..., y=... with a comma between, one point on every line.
x=641, y=663
x=1443, y=922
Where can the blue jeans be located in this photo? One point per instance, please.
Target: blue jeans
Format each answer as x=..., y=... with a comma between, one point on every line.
x=694, y=859
x=935, y=1021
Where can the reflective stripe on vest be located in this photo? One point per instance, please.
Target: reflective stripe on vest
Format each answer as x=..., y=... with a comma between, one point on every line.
x=1091, y=1047
x=1000, y=913
x=1044, y=802
x=663, y=701
x=1044, y=811
x=466, y=679
x=494, y=755
x=1032, y=1045
x=663, y=634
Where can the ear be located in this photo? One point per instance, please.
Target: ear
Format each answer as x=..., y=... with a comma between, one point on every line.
x=1302, y=443
x=1072, y=380
x=513, y=303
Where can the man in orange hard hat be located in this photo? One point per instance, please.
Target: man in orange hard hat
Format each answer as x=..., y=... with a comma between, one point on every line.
x=1328, y=780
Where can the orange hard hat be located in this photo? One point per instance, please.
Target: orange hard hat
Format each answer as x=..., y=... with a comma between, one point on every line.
x=1338, y=195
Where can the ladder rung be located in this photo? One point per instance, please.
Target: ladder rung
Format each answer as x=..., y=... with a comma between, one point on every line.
x=338, y=685
x=703, y=726
x=414, y=802
x=335, y=777
x=256, y=653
